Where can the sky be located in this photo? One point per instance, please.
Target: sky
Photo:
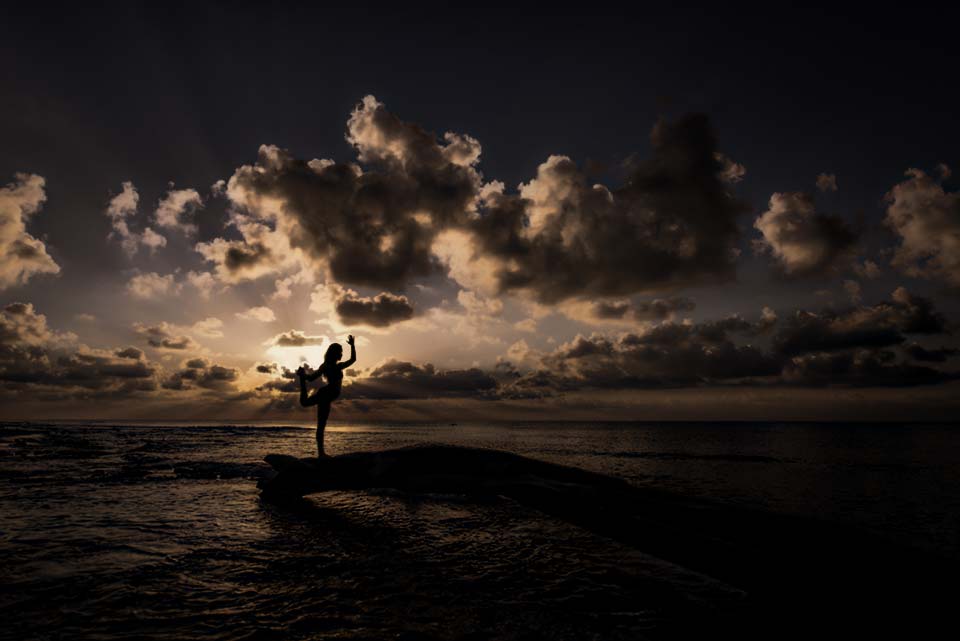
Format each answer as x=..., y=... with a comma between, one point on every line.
x=685, y=214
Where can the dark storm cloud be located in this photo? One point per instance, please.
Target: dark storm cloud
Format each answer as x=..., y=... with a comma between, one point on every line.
x=880, y=325
x=939, y=355
x=399, y=379
x=672, y=224
x=161, y=336
x=267, y=368
x=803, y=241
x=381, y=310
x=655, y=310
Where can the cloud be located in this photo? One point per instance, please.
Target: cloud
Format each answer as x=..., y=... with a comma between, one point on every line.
x=261, y=251
x=399, y=380
x=381, y=310
x=152, y=285
x=21, y=255
x=21, y=324
x=927, y=220
x=261, y=314
x=867, y=269
x=175, y=207
x=199, y=373
x=730, y=171
x=164, y=336
x=881, y=325
x=203, y=282
x=34, y=357
x=209, y=327
x=526, y=325
x=129, y=352
x=657, y=309
x=939, y=355
x=853, y=290
x=668, y=355
x=295, y=338
x=120, y=210
x=480, y=306
x=827, y=182
x=672, y=224
x=419, y=206
x=803, y=241
x=860, y=368
x=372, y=228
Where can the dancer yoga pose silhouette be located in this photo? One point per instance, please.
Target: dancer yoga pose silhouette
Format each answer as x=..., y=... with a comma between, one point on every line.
x=332, y=370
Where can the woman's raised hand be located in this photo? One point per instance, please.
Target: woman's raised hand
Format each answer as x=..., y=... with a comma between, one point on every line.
x=350, y=340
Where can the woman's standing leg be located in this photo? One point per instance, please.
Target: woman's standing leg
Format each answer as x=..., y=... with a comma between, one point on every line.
x=323, y=413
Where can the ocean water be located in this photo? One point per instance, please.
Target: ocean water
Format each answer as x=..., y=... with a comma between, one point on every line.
x=158, y=531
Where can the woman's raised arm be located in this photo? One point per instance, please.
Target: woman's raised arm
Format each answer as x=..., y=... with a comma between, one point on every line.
x=353, y=354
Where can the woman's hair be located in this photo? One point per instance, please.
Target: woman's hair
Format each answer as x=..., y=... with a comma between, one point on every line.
x=334, y=348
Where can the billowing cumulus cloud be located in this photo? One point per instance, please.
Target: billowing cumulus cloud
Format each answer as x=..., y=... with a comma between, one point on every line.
x=120, y=210
x=803, y=241
x=419, y=206
x=927, y=220
x=372, y=228
x=21, y=255
x=261, y=251
x=672, y=224
x=174, y=210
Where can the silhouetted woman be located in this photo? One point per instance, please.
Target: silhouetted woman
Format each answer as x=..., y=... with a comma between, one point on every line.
x=332, y=370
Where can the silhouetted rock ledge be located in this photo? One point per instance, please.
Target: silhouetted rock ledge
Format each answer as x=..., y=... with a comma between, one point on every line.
x=436, y=469
x=802, y=576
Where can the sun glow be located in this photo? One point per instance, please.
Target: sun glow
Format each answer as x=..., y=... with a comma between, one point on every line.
x=294, y=357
